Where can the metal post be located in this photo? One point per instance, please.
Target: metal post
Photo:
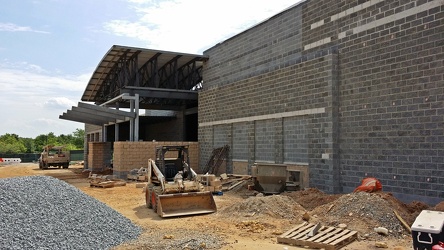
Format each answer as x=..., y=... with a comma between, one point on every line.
x=136, y=122
x=103, y=133
x=132, y=121
x=116, y=128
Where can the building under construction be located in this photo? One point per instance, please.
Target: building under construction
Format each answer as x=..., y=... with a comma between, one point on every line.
x=335, y=90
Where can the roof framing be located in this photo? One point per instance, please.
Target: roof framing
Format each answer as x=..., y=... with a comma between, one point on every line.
x=163, y=78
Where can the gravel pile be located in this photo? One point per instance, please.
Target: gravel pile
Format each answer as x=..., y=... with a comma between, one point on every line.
x=41, y=212
x=368, y=206
x=362, y=212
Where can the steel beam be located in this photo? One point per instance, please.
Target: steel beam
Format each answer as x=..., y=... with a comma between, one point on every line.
x=102, y=119
x=161, y=93
x=75, y=118
x=108, y=111
x=112, y=117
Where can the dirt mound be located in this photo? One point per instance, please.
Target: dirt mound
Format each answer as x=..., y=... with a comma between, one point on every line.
x=439, y=207
x=363, y=212
x=276, y=206
x=312, y=198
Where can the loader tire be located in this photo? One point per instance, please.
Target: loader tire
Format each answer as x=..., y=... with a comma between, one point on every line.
x=154, y=201
x=148, y=198
x=66, y=165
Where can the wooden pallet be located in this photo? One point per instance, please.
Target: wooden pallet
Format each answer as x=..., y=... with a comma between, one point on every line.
x=329, y=238
x=103, y=184
x=106, y=184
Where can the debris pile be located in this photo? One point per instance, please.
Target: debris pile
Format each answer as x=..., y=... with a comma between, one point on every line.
x=251, y=226
x=362, y=212
x=311, y=198
x=276, y=206
x=439, y=206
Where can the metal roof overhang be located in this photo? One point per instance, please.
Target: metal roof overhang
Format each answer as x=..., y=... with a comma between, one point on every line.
x=96, y=115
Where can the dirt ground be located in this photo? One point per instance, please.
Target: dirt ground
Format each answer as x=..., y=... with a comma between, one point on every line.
x=245, y=220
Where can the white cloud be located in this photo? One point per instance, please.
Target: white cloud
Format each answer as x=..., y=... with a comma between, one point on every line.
x=59, y=103
x=23, y=77
x=140, y=1
x=11, y=27
x=32, y=100
x=193, y=25
x=25, y=66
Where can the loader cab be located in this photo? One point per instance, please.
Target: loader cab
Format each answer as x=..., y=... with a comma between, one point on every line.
x=170, y=160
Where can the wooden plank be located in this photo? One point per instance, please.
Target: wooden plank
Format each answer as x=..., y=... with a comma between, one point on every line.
x=302, y=235
x=235, y=185
x=346, y=239
x=226, y=182
x=105, y=184
x=321, y=233
x=336, y=236
x=293, y=229
x=328, y=235
x=297, y=230
x=302, y=230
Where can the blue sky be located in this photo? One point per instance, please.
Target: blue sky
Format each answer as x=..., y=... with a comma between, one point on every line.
x=49, y=48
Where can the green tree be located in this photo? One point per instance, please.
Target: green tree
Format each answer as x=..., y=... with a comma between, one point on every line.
x=29, y=144
x=11, y=144
x=79, y=137
x=40, y=141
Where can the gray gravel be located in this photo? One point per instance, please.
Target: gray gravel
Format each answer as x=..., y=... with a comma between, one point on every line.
x=368, y=207
x=179, y=239
x=42, y=212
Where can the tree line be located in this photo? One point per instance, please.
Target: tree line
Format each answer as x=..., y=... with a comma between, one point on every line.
x=14, y=144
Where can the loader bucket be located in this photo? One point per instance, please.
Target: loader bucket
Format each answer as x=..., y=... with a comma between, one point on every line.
x=180, y=204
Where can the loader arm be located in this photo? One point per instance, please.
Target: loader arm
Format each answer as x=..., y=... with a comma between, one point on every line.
x=152, y=166
x=179, y=198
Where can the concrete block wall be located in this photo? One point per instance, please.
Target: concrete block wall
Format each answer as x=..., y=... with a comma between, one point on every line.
x=99, y=155
x=131, y=155
x=239, y=150
x=400, y=138
x=254, y=52
x=261, y=103
x=391, y=92
x=172, y=130
x=92, y=132
x=362, y=79
x=265, y=140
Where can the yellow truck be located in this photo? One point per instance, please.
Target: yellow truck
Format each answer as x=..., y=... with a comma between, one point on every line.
x=54, y=156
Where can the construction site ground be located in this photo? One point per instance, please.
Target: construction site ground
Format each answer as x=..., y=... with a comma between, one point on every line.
x=246, y=220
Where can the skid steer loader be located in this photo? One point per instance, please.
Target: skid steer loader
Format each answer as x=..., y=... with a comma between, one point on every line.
x=179, y=194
